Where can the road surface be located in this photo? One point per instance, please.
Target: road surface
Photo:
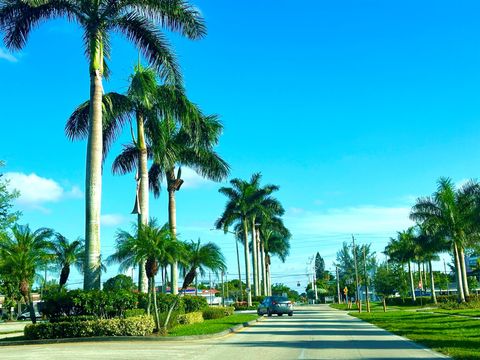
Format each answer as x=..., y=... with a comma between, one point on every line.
x=315, y=332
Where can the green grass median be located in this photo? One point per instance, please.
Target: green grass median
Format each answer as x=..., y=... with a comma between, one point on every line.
x=458, y=337
x=212, y=326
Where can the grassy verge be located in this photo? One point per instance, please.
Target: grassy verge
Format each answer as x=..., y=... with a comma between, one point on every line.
x=212, y=326
x=376, y=307
x=464, y=312
x=454, y=336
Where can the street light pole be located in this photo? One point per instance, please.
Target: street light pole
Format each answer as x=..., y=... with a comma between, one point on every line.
x=359, y=303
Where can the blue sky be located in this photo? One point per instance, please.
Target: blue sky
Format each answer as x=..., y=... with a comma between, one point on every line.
x=354, y=108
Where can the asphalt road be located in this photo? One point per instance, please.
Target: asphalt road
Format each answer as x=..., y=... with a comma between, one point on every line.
x=312, y=333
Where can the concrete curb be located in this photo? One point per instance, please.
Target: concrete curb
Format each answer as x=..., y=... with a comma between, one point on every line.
x=231, y=330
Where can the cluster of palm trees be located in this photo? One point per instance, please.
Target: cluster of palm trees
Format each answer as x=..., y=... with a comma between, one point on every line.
x=252, y=211
x=24, y=251
x=170, y=129
x=446, y=221
x=157, y=247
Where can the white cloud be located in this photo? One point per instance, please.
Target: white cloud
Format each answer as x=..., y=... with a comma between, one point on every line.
x=112, y=219
x=360, y=219
x=36, y=190
x=7, y=56
x=192, y=180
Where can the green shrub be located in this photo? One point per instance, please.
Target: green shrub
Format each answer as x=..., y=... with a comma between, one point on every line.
x=217, y=312
x=102, y=304
x=194, y=303
x=173, y=319
x=164, y=301
x=244, y=306
x=133, y=313
x=190, y=318
x=134, y=326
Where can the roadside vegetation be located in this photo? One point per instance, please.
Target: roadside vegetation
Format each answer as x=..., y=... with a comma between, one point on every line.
x=212, y=326
x=454, y=336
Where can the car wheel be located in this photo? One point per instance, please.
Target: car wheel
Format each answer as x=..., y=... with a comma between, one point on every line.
x=269, y=313
x=280, y=314
x=290, y=314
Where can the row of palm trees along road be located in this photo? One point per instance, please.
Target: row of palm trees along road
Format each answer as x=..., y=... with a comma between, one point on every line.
x=168, y=132
x=446, y=221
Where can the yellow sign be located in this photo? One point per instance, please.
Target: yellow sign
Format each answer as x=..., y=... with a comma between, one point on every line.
x=345, y=291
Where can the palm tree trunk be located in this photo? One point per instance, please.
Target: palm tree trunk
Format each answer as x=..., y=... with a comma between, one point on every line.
x=412, y=287
x=461, y=294
x=264, y=275
x=247, y=263
x=267, y=272
x=143, y=195
x=31, y=308
x=255, y=258
x=432, y=282
x=172, y=221
x=155, y=306
x=466, y=290
x=93, y=181
x=424, y=276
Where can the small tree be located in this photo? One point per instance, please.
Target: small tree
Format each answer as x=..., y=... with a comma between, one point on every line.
x=385, y=283
x=119, y=283
x=319, y=266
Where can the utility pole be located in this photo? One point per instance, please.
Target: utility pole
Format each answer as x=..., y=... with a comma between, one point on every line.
x=366, y=277
x=314, y=280
x=446, y=277
x=338, y=285
x=226, y=280
x=359, y=303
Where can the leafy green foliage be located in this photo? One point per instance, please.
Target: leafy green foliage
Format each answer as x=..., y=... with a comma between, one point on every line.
x=319, y=266
x=280, y=289
x=190, y=318
x=7, y=217
x=133, y=313
x=134, y=326
x=119, y=282
x=194, y=303
x=102, y=304
x=217, y=312
x=384, y=281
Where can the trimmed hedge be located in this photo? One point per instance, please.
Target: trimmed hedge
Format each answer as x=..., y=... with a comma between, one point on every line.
x=194, y=303
x=102, y=304
x=134, y=326
x=73, y=318
x=190, y=318
x=217, y=312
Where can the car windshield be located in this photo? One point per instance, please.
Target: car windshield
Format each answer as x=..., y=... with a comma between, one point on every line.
x=279, y=298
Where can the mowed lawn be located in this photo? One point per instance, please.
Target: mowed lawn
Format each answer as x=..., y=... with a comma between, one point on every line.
x=455, y=336
x=212, y=326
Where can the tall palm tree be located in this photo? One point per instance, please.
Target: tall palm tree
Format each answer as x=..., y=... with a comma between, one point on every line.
x=65, y=254
x=151, y=244
x=241, y=199
x=402, y=250
x=138, y=21
x=147, y=102
x=430, y=244
x=21, y=254
x=275, y=240
x=172, y=147
x=452, y=214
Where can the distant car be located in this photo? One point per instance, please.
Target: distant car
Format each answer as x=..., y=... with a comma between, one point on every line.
x=275, y=305
x=26, y=315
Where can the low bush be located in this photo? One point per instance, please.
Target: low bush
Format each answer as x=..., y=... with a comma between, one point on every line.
x=173, y=319
x=244, y=306
x=133, y=313
x=194, y=303
x=134, y=326
x=102, y=304
x=217, y=312
x=190, y=318
x=164, y=301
